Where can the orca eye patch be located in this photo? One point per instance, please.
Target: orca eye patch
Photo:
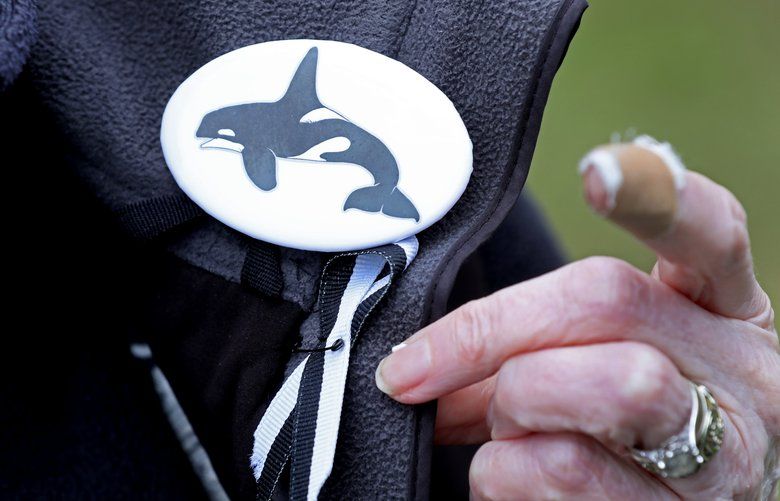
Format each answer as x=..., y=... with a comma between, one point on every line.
x=226, y=132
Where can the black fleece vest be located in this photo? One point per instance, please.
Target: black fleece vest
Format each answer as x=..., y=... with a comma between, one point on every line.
x=104, y=71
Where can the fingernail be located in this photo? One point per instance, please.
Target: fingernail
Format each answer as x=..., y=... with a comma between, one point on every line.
x=406, y=367
x=634, y=184
x=397, y=347
x=602, y=176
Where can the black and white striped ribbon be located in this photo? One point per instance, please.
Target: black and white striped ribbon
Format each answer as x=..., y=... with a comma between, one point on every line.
x=302, y=421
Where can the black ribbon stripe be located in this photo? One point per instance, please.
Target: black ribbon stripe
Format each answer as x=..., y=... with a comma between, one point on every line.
x=278, y=455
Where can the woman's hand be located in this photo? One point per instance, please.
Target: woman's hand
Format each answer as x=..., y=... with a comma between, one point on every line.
x=561, y=375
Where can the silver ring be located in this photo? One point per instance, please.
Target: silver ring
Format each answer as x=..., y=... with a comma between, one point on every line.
x=684, y=454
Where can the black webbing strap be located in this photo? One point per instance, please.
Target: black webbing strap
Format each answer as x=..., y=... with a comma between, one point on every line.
x=262, y=271
x=149, y=219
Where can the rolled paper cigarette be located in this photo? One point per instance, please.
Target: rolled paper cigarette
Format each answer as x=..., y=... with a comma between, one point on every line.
x=635, y=184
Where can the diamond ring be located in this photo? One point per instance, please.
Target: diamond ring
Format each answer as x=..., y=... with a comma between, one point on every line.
x=684, y=453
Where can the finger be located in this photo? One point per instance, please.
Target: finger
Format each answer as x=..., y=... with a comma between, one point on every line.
x=592, y=301
x=557, y=466
x=697, y=227
x=623, y=394
x=461, y=416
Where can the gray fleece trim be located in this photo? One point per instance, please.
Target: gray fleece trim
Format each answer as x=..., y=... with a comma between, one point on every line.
x=18, y=31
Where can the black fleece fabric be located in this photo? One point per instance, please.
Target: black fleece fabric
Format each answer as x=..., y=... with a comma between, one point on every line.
x=97, y=81
x=18, y=30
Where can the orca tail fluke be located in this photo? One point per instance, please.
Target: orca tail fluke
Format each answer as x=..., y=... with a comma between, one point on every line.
x=368, y=199
x=376, y=198
x=397, y=205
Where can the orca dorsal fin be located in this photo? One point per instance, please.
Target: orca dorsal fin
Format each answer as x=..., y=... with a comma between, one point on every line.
x=302, y=92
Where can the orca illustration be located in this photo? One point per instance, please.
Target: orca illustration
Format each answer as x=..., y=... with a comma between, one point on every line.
x=289, y=127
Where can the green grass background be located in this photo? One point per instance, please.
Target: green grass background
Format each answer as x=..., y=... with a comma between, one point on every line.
x=702, y=74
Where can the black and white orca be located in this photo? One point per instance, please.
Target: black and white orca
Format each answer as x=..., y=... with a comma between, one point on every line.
x=293, y=125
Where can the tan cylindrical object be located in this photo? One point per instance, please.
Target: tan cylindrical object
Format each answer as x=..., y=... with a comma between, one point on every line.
x=636, y=185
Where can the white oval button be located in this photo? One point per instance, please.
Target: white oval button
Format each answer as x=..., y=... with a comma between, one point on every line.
x=316, y=145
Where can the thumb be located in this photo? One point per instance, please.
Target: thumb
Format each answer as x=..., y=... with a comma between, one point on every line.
x=697, y=228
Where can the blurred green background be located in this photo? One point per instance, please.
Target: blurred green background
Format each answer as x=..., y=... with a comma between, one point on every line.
x=702, y=74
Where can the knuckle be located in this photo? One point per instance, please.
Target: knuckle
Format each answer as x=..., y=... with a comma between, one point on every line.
x=604, y=283
x=486, y=463
x=765, y=318
x=651, y=397
x=734, y=206
x=473, y=324
x=651, y=393
x=570, y=465
x=733, y=249
x=769, y=324
x=649, y=373
x=605, y=265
